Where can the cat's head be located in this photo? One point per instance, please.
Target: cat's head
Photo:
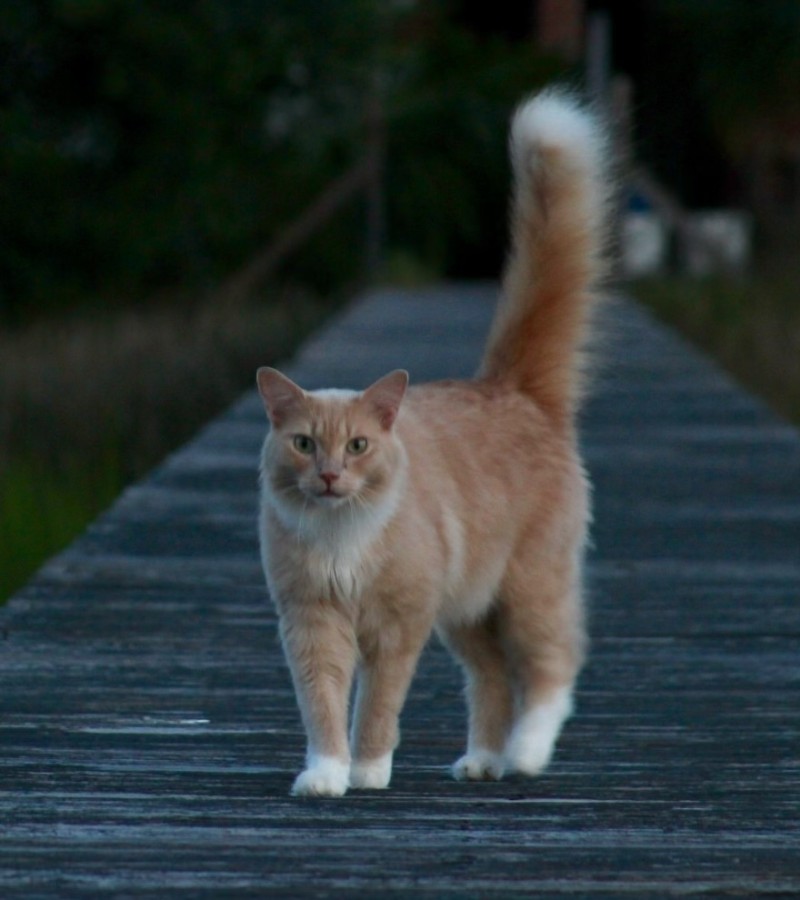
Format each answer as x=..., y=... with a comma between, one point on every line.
x=330, y=448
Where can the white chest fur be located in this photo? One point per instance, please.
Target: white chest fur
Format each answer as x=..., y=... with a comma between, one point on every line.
x=339, y=572
x=331, y=551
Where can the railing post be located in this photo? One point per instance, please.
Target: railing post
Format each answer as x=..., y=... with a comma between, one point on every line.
x=375, y=192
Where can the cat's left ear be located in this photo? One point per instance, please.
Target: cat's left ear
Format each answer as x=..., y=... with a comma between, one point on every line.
x=280, y=394
x=385, y=396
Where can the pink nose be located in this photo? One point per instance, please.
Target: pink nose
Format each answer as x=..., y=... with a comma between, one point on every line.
x=328, y=477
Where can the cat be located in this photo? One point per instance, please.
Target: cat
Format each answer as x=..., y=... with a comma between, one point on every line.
x=456, y=506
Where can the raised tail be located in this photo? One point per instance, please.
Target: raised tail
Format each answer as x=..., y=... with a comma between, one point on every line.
x=558, y=235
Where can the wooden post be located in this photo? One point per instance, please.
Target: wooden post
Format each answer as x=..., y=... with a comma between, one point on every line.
x=598, y=57
x=243, y=282
x=559, y=27
x=375, y=195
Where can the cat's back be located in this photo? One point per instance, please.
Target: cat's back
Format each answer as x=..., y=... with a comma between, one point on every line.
x=485, y=435
x=451, y=410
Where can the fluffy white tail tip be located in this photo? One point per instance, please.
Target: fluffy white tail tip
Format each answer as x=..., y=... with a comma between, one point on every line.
x=556, y=119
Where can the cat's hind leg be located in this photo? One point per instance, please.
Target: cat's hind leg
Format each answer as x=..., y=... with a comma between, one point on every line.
x=542, y=622
x=532, y=740
x=478, y=648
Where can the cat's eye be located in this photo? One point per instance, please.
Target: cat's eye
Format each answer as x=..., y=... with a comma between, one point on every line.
x=357, y=445
x=304, y=444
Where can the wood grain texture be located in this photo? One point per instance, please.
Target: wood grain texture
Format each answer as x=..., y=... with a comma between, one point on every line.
x=148, y=732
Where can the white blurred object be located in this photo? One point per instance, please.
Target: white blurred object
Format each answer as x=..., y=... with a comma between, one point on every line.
x=643, y=243
x=716, y=240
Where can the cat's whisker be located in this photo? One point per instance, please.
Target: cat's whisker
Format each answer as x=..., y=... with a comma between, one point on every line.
x=301, y=518
x=351, y=508
x=358, y=500
x=357, y=505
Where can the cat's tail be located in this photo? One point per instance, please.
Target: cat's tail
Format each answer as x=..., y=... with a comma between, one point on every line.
x=559, y=153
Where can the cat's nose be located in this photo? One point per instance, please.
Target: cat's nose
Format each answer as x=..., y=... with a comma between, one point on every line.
x=328, y=477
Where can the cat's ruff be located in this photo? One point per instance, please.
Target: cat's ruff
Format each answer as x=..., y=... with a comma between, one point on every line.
x=460, y=506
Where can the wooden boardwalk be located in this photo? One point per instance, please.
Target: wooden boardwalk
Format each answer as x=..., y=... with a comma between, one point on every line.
x=148, y=733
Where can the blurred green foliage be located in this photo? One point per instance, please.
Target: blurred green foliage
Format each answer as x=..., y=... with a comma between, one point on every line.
x=747, y=57
x=42, y=510
x=157, y=144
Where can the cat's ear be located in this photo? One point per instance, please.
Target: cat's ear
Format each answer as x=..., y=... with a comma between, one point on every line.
x=280, y=394
x=385, y=396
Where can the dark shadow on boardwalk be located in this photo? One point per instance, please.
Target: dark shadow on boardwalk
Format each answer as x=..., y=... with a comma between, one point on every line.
x=148, y=734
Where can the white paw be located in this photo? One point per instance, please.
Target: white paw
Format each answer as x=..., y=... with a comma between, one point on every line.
x=324, y=777
x=528, y=755
x=372, y=773
x=533, y=738
x=479, y=765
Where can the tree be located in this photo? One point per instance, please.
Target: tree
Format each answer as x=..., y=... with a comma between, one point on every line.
x=157, y=144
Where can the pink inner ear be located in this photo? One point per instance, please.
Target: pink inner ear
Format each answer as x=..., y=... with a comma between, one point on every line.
x=386, y=395
x=281, y=396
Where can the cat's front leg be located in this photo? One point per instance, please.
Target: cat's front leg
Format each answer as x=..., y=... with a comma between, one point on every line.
x=320, y=648
x=387, y=667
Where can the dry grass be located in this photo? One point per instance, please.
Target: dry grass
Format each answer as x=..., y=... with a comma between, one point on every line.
x=135, y=382
x=752, y=328
x=88, y=404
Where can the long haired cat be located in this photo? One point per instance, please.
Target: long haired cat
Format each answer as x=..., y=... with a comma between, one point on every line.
x=459, y=506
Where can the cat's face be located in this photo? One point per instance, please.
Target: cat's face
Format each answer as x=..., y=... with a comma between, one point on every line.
x=331, y=448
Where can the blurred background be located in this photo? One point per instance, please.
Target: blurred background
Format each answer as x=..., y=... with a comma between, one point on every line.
x=187, y=188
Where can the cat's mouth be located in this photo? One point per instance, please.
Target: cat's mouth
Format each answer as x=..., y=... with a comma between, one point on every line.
x=329, y=494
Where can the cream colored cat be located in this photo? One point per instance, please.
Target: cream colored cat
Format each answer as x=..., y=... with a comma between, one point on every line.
x=459, y=506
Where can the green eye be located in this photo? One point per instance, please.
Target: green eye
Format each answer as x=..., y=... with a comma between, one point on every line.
x=357, y=445
x=303, y=444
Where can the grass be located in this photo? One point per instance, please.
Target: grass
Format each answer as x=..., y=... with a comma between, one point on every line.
x=89, y=403
x=41, y=511
x=751, y=326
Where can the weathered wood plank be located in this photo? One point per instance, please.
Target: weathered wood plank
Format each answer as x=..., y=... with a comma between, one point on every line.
x=148, y=733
